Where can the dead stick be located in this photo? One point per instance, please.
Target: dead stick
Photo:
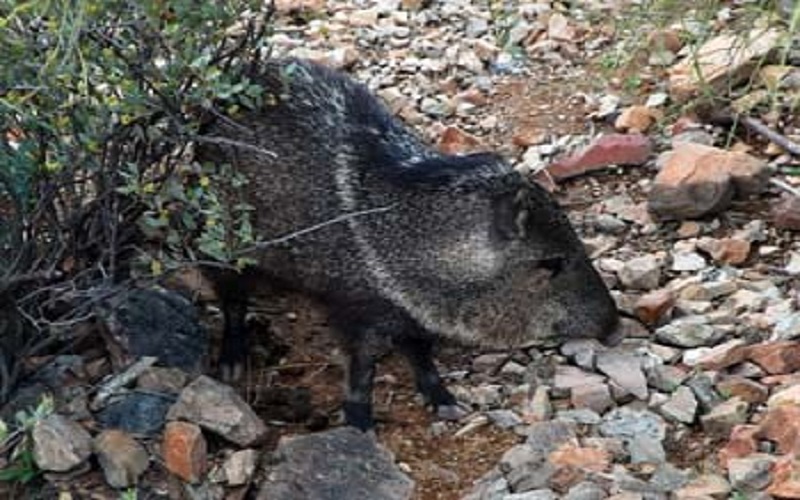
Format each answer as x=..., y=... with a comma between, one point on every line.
x=781, y=140
x=116, y=383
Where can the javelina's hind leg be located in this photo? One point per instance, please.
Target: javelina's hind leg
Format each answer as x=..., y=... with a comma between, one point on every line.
x=419, y=352
x=234, y=339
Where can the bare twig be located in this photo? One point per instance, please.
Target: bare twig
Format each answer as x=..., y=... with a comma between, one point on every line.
x=781, y=140
x=117, y=382
x=317, y=227
x=224, y=141
x=784, y=186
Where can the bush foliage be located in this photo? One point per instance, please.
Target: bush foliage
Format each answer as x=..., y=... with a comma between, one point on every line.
x=101, y=103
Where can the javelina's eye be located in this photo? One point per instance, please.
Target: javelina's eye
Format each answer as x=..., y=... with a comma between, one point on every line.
x=554, y=264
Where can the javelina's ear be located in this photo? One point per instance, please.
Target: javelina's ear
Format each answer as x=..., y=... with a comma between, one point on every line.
x=480, y=171
x=510, y=215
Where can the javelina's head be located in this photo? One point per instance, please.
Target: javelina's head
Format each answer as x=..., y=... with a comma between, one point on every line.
x=491, y=258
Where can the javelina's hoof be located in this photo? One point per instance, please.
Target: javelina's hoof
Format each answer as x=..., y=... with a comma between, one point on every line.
x=451, y=412
x=358, y=415
x=231, y=372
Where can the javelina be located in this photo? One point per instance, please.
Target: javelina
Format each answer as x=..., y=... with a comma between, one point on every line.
x=405, y=243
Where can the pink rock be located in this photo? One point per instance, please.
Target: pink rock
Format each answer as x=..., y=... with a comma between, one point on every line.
x=606, y=150
x=455, y=141
x=776, y=357
x=785, y=478
x=741, y=444
x=697, y=180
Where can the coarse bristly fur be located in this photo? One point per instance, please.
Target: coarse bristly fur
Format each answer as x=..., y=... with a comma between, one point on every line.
x=425, y=244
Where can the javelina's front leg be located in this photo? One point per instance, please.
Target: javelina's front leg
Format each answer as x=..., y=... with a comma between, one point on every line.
x=362, y=349
x=419, y=352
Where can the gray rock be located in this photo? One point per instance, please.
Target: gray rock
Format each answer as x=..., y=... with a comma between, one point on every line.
x=332, y=465
x=586, y=490
x=666, y=378
x=582, y=416
x=137, y=413
x=628, y=422
x=505, y=419
x=216, y=407
x=681, y=406
x=492, y=486
x=644, y=449
x=544, y=437
x=567, y=377
x=541, y=494
x=581, y=351
x=668, y=478
x=687, y=261
x=595, y=397
x=641, y=273
x=121, y=457
x=751, y=473
x=59, y=444
x=723, y=417
x=157, y=322
x=240, y=466
x=624, y=369
x=530, y=476
x=691, y=331
x=702, y=384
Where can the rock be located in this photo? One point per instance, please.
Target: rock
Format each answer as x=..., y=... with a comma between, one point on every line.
x=332, y=465
x=240, y=466
x=646, y=450
x=698, y=180
x=723, y=417
x=786, y=213
x=625, y=370
x=787, y=396
x=544, y=437
x=217, y=407
x=666, y=378
x=606, y=150
x=185, y=451
x=59, y=444
x=641, y=273
x=567, y=377
x=505, y=419
x=681, y=406
x=627, y=423
x=581, y=351
x=538, y=408
x=746, y=389
x=702, y=384
x=742, y=443
x=583, y=416
x=586, y=490
x=635, y=119
x=785, y=478
x=722, y=356
x=689, y=332
x=162, y=379
x=731, y=251
x=668, y=478
x=688, y=261
x=584, y=458
x=559, y=28
x=489, y=363
x=155, y=322
x=121, y=457
x=540, y=494
x=664, y=40
x=455, y=141
x=291, y=6
x=705, y=486
x=651, y=307
x=750, y=473
x=721, y=62
x=595, y=397
x=775, y=357
x=781, y=425
x=137, y=413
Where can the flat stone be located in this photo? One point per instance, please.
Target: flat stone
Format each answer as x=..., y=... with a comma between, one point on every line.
x=641, y=273
x=121, y=457
x=624, y=369
x=636, y=119
x=586, y=490
x=723, y=417
x=707, y=485
x=216, y=407
x=595, y=397
x=689, y=332
x=681, y=406
x=240, y=467
x=185, y=451
x=605, y=151
x=544, y=437
x=567, y=377
x=59, y=444
x=750, y=473
x=646, y=450
x=332, y=465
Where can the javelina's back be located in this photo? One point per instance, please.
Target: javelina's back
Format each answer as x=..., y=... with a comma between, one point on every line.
x=399, y=240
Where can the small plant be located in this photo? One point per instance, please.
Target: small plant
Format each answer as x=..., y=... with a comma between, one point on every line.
x=129, y=494
x=22, y=467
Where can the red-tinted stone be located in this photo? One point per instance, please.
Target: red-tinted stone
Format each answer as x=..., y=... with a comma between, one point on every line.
x=606, y=150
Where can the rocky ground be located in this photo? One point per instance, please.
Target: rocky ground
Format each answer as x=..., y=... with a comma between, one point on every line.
x=683, y=187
